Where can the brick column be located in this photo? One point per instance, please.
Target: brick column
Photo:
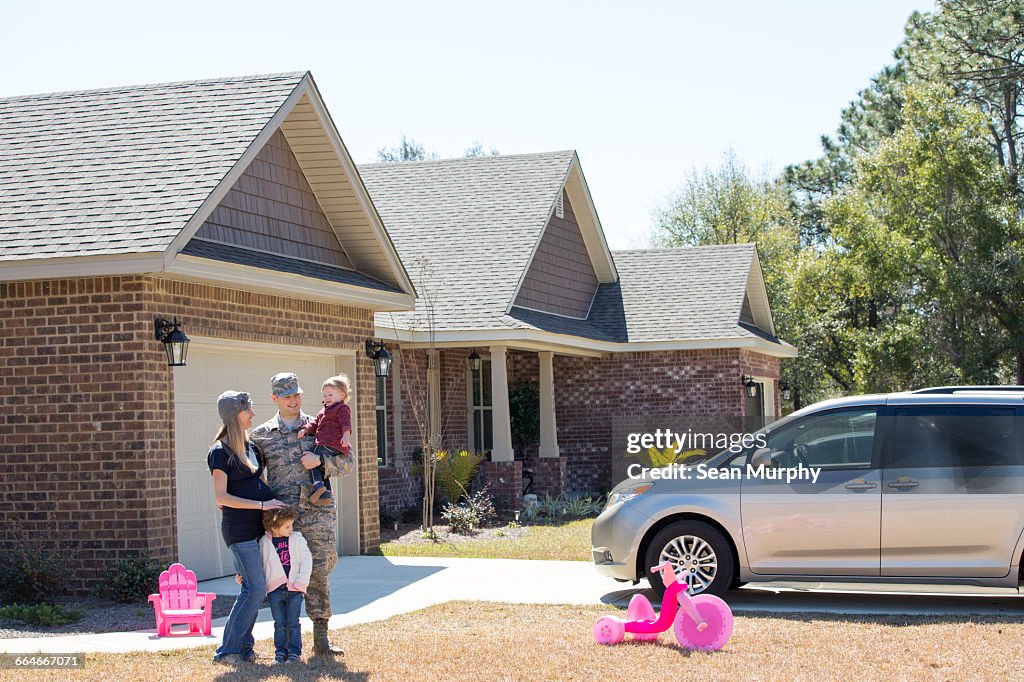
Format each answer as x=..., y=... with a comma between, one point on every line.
x=549, y=476
x=505, y=482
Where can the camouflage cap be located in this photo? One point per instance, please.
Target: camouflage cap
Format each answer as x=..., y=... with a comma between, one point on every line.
x=285, y=384
x=231, y=403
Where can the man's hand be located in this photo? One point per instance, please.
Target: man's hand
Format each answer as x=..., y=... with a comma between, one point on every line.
x=309, y=460
x=238, y=578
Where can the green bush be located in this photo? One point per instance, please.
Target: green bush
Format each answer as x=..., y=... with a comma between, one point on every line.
x=455, y=471
x=29, y=575
x=564, y=507
x=45, y=615
x=477, y=512
x=134, y=578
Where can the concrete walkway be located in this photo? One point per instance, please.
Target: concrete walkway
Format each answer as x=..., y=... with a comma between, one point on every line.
x=369, y=588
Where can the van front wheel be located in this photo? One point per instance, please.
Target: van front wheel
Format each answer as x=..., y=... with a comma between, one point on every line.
x=699, y=553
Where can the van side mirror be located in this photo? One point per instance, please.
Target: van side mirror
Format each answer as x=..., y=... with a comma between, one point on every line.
x=761, y=457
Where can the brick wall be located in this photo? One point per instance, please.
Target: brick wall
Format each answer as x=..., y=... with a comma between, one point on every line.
x=86, y=433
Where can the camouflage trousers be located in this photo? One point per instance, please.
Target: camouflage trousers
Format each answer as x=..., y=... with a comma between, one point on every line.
x=325, y=557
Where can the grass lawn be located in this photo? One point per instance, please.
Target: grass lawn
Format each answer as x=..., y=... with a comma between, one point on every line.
x=569, y=541
x=483, y=641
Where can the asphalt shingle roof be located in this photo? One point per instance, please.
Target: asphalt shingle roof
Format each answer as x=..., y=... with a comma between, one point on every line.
x=465, y=230
x=687, y=293
x=122, y=170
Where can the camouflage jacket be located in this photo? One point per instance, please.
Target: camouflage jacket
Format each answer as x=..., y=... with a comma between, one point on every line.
x=285, y=474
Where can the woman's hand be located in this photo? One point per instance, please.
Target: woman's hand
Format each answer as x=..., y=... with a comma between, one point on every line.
x=309, y=460
x=273, y=504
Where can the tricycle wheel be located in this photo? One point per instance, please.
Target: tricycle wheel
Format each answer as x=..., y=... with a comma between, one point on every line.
x=716, y=613
x=609, y=630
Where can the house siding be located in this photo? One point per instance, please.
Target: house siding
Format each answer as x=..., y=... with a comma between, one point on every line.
x=87, y=433
x=272, y=208
x=561, y=278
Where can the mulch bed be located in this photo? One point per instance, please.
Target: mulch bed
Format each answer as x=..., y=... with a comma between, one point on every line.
x=101, y=615
x=410, y=534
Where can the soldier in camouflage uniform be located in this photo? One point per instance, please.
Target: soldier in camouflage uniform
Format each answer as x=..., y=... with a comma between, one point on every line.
x=288, y=478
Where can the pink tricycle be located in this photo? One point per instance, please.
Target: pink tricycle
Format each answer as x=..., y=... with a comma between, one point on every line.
x=704, y=622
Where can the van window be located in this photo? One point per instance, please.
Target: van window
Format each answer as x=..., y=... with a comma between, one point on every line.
x=954, y=436
x=836, y=440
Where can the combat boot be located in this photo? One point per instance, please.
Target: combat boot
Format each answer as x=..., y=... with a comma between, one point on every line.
x=321, y=645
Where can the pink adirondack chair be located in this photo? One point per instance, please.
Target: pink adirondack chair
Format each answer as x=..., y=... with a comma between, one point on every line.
x=179, y=602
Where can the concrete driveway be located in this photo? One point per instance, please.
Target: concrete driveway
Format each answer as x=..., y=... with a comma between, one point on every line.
x=369, y=588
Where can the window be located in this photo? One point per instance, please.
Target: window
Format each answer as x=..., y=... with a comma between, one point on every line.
x=954, y=436
x=837, y=440
x=481, y=420
x=382, y=421
x=559, y=206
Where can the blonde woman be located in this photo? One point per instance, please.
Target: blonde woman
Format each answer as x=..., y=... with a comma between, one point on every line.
x=240, y=489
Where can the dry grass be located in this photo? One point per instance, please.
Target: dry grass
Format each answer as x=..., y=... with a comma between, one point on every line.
x=473, y=641
x=568, y=541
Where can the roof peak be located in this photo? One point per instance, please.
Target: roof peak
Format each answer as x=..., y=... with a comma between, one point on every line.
x=296, y=75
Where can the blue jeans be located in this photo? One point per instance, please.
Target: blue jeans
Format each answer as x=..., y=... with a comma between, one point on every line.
x=286, y=606
x=238, y=637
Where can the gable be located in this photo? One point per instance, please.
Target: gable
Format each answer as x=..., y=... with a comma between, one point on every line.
x=561, y=277
x=271, y=208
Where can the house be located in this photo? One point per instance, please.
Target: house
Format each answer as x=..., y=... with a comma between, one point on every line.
x=512, y=267
x=231, y=205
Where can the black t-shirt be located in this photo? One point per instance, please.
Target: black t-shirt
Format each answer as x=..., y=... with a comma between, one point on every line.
x=283, y=553
x=239, y=525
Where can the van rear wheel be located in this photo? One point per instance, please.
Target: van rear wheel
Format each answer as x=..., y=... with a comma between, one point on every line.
x=699, y=553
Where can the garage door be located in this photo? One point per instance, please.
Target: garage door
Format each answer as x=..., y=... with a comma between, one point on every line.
x=211, y=370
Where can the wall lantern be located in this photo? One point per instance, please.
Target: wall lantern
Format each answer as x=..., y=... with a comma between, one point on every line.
x=748, y=383
x=787, y=391
x=474, y=361
x=378, y=352
x=174, y=340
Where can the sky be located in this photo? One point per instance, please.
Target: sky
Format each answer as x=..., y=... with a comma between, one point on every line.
x=644, y=92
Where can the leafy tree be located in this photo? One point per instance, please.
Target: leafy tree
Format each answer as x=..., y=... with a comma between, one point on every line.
x=407, y=150
x=976, y=47
x=929, y=225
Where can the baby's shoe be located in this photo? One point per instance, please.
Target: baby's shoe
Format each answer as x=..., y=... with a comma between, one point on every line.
x=320, y=496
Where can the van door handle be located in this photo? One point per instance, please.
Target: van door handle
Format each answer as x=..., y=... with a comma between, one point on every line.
x=904, y=483
x=860, y=484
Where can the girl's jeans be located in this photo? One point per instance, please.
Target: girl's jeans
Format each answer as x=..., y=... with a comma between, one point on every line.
x=286, y=606
x=238, y=637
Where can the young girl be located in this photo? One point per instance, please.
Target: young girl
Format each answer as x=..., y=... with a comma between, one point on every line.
x=287, y=564
x=332, y=427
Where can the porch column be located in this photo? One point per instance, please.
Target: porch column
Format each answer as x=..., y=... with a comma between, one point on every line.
x=500, y=414
x=548, y=428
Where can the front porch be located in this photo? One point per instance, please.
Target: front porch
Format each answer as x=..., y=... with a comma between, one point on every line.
x=465, y=397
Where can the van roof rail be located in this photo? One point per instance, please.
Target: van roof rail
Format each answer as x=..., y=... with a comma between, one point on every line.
x=969, y=389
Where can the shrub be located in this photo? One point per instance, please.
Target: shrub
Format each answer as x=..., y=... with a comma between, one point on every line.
x=29, y=575
x=564, y=507
x=454, y=472
x=45, y=615
x=134, y=578
x=477, y=512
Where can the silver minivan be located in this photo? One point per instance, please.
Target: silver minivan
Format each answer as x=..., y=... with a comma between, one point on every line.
x=919, y=487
